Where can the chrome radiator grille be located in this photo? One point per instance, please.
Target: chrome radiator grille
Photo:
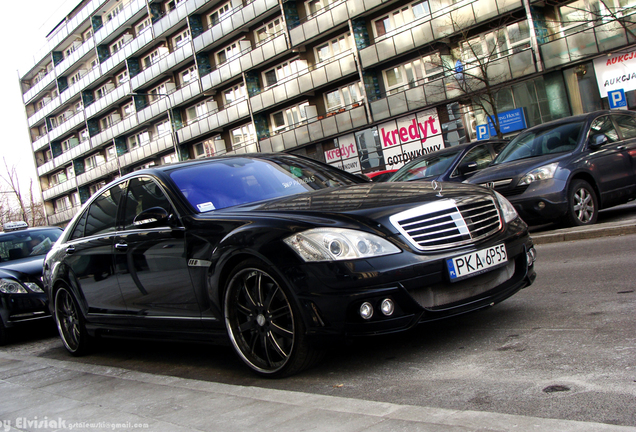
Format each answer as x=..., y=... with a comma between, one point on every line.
x=448, y=223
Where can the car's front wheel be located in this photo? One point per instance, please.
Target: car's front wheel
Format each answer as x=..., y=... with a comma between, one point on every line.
x=264, y=324
x=70, y=322
x=582, y=204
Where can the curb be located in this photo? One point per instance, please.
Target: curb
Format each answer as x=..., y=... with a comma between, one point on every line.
x=571, y=234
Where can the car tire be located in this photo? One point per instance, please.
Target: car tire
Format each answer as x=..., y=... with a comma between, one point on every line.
x=70, y=322
x=264, y=323
x=582, y=204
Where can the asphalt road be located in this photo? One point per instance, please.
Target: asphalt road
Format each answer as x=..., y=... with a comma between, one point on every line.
x=565, y=348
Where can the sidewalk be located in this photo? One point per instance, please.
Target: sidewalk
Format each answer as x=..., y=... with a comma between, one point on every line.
x=623, y=227
x=44, y=394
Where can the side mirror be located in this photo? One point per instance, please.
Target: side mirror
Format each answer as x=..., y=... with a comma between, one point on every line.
x=466, y=168
x=597, y=141
x=152, y=217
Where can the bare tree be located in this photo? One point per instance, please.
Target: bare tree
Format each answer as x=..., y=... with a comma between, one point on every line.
x=13, y=205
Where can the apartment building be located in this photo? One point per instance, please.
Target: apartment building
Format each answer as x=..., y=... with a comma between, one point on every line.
x=365, y=85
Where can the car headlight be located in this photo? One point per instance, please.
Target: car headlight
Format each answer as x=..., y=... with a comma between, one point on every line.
x=11, y=286
x=333, y=244
x=508, y=211
x=542, y=173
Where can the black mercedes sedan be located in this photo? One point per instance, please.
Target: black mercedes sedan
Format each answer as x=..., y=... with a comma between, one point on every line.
x=568, y=169
x=22, y=252
x=282, y=254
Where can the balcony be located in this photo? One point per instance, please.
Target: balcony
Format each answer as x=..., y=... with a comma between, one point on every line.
x=316, y=129
x=176, y=17
x=116, y=96
x=69, y=124
x=132, y=12
x=126, y=51
x=45, y=168
x=63, y=216
x=214, y=121
x=77, y=151
x=44, y=112
x=242, y=148
x=231, y=23
x=59, y=189
x=163, y=65
x=322, y=23
x=40, y=143
x=147, y=151
x=117, y=129
x=248, y=59
x=80, y=85
x=160, y=106
x=306, y=81
x=423, y=94
x=43, y=84
x=86, y=48
x=98, y=172
x=185, y=93
x=588, y=42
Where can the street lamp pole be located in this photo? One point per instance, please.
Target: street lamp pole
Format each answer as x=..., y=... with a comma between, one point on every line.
x=171, y=119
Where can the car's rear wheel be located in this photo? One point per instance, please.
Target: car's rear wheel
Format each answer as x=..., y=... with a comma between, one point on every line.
x=582, y=204
x=70, y=322
x=264, y=324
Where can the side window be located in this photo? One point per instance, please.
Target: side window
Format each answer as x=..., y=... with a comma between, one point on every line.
x=480, y=154
x=499, y=146
x=143, y=194
x=627, y=125
x=604, y=125
x=78, y=231
x=102, y=213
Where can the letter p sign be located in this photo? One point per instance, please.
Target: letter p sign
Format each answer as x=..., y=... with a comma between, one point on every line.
x=482, y=132
x=617, y=99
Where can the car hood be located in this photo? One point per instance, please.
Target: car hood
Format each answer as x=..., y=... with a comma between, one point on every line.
x=514, y=169
x=29, y=266
x=372, y=200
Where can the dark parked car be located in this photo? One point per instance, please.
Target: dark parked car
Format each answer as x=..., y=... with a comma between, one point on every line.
x=380, y=176
x=281, y=253
x=455, y=163
x=569, y=168
x=22, y=252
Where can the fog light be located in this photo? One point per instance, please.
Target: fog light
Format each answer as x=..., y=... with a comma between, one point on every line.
x=387, y=307
x=541, y=205
x=366, y=310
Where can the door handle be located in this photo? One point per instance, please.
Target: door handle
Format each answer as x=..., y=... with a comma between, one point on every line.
x=121, y=247
x=70, y=249
x=621, y=147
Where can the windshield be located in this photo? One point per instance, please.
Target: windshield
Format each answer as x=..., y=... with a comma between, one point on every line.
x=538, y=142
x=228, y=182
x=20, y=244
x=427, y=167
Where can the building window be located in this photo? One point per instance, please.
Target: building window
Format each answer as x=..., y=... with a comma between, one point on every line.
x=283, y=71
x=197, y=111
x=400, y=17
x=119, y=43
x=69, y=143
x=188, y=75
x=70, y=171
x=83, y=135
x=228, y=52
x=128, y=109
x=143, y=26
x=171, y=158
x=62, y=204
x=234, y=94
x=122, y=77
x=109, y=120
x=138, y=140
x=93, y=161
x=112, y=13
x=181, y=39
x=413, y=73
x=104, y=90
x=57, y=178
x=92, y=189
x=88, y=34
x=77, y=76
x=343, y=96
x=163, y=128
x=499, y=43
x=284, y=119
x=218, y=14
x=243, y=134
x=158, y=92
x=111, y=154
x=94, y=63
x=154, y=56
x=313, y=7
x=268, y=31
x=333, y=48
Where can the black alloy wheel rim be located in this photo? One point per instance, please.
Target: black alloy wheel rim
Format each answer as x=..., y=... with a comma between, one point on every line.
x=260, y=320
x=67, y=317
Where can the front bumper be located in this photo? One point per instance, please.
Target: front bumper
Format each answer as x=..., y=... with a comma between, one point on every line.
x=543, y=201
x=18, y=308
x=419, y=288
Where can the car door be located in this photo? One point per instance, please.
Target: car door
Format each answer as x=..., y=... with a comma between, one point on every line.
x=627, y=127
x=89, y=258
x=150, y=260
x=610, y=161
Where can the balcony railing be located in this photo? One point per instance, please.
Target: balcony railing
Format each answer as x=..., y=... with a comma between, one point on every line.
x=63, y=216
x=59, y=189
x=37, y=88
x=67, y=125
x=214, y=120
x=98, y=172
x=130, y=13
x=162, y=65
x=147, y=151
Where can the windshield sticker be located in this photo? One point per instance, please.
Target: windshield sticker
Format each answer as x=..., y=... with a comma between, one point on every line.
x=207, y=206
x=299, y=182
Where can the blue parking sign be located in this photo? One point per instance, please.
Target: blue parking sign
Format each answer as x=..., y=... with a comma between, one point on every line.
x=617, y=99
x=482, y=132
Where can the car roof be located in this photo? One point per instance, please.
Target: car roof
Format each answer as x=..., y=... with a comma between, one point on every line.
x=577, y=118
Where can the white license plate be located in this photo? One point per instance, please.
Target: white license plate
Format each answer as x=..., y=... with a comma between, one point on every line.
x=477, y=262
